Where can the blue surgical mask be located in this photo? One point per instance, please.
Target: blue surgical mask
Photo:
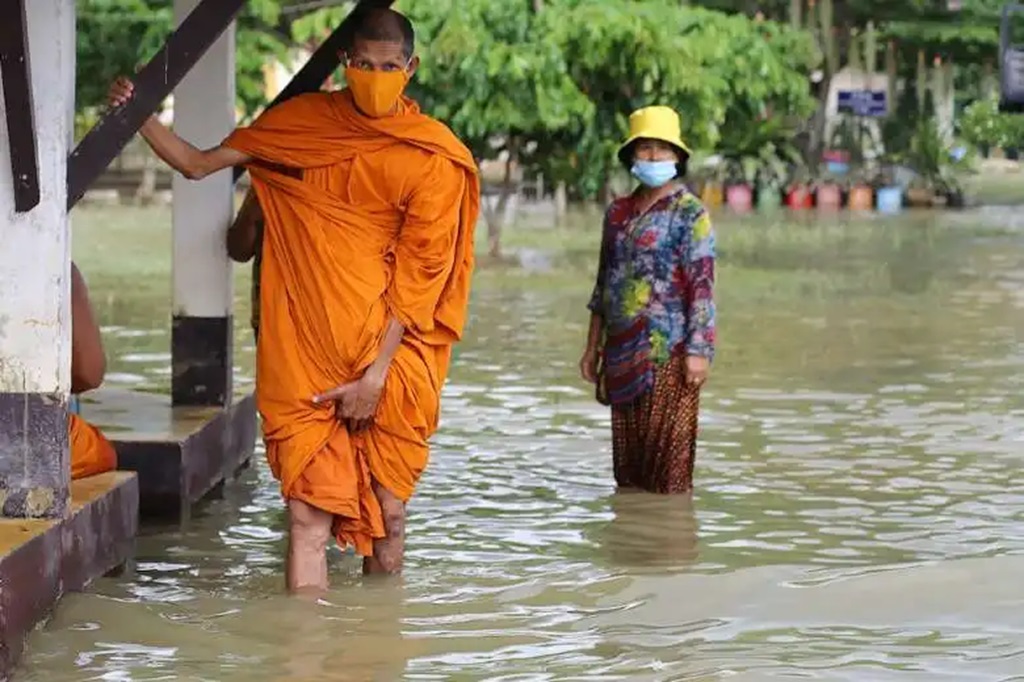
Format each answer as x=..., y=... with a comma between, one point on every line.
x=654, y=173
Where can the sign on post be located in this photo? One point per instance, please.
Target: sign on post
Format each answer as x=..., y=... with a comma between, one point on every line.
x=863, y=102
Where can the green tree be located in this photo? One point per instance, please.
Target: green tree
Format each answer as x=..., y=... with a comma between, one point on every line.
x=489, y=71
x=115, y=37
x=714, y=69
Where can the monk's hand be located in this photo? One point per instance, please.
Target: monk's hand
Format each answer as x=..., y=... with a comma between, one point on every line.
x=696, y=370
x=120, y=92
x=356, y=402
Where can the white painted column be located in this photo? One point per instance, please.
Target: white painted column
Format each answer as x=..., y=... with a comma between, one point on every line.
x=35, y=284
x=204, y=114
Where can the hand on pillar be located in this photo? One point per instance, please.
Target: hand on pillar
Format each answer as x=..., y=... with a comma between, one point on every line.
x=120, y=92
x=191, y=162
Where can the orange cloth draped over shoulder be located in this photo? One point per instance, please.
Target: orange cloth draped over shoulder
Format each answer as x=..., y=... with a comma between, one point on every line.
x=91, y=452
x=379, y=224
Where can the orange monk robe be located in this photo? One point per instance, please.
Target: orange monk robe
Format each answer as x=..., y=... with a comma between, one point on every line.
x=380, y=224
x=91, y=452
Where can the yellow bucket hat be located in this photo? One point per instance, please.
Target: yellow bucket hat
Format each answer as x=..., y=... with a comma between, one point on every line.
x=654, y=123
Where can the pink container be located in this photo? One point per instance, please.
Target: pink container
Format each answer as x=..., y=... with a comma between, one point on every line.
x=739, y=197
x=829, y=197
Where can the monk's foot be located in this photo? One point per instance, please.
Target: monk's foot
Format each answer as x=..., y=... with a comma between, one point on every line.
x=373, y=565
x=388, y=551
x=310, y=593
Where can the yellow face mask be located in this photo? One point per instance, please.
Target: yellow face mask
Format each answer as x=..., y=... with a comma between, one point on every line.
x=376, y=92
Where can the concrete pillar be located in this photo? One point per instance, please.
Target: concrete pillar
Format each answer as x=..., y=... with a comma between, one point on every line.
x=201, y=338
x=35, y=282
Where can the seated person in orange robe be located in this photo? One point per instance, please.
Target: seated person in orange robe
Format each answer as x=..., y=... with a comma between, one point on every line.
x=91, y=452
x=364, y=285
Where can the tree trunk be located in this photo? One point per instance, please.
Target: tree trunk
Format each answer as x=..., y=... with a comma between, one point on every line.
x=989, y=82
x=561, y=202
x=830, y=48
x=796, y=10
x=921, y=76
x=826, y=18
x=497, y=216
x=146, y=190
x=892, y=74
x=604, y=194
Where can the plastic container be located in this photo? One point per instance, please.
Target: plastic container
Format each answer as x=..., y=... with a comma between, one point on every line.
x=739, y=198
x=889, y=199
x=861, y=198
x=799, y=197
x=829, y=197
x=711, y=195
x=768, y=199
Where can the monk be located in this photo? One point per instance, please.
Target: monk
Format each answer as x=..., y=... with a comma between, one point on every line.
x=91, y=452
x=364, y=285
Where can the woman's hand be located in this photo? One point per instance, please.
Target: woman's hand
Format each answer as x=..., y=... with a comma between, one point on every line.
x=588, y=365
x=696, y=370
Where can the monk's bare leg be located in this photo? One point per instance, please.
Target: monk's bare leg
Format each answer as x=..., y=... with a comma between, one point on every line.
x=389, y=551
x=309, y=531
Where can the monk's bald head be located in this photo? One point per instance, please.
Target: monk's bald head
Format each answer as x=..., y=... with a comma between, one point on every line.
x=370, y=24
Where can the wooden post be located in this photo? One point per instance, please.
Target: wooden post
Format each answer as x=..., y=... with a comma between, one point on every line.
x=15, y=73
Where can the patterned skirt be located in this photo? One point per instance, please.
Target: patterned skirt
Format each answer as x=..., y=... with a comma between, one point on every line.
x=654, y=438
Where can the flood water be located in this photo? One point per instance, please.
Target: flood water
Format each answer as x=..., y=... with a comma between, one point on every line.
x=859, y=506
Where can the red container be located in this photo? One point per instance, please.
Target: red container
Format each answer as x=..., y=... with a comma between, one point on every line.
x=739, y=197
x=799, y=197
x=829, y=197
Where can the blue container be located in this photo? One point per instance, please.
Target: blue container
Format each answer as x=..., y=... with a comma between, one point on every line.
x=889, y=199
x=839, y=168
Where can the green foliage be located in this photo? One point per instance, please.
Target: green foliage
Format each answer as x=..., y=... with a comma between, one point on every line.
x=718, y=71
x=982, y=125
x=258, y=41
x=116, y=37
x=488, y=71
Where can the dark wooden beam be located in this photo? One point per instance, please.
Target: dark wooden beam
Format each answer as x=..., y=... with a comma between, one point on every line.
x=153, y=83
x=320, y=65
x=16, y=75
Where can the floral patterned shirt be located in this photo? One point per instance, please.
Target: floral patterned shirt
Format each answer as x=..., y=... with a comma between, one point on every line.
x=654, y=289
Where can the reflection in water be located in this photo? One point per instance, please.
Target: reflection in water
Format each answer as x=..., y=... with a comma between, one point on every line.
x=858, y=491
x=650, y=531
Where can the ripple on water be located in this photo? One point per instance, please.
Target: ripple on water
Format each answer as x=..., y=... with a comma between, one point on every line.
x=858, y=514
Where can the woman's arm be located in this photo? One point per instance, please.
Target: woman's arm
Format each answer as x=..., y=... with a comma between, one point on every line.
x=699, y=265
x=88, y=361
x=595, y=335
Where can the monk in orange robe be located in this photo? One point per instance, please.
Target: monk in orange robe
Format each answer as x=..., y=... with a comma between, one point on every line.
x=91, y=452
x=366, y=261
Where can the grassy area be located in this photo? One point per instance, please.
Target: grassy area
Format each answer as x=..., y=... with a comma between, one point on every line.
x=1004, y=187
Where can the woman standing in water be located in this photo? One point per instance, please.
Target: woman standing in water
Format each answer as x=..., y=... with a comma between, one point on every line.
x=652, y=325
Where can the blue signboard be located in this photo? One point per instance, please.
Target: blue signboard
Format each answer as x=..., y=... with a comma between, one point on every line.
x=863, y=102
